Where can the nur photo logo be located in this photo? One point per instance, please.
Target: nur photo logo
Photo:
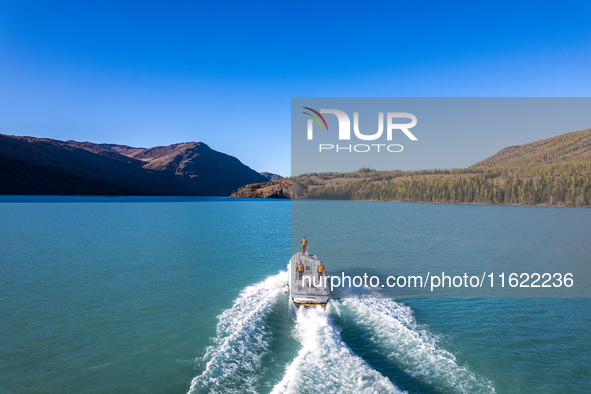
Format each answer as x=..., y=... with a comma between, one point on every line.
x=344, y=133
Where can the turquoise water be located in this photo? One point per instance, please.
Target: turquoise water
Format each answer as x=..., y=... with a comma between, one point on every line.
x=390, y=238
x=176, y=295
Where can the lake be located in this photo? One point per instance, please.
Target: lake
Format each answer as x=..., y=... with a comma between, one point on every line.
x=177, y=295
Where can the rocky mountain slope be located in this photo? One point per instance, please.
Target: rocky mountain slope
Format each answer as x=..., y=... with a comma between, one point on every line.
x=271, y=177
x=278, y=189
x=44, y=166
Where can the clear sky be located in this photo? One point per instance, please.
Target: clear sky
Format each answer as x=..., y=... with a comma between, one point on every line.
x=156, y=73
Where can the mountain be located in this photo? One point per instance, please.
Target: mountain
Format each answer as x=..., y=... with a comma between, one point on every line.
x=564, y=148
x=271, y=177
x=31, y=165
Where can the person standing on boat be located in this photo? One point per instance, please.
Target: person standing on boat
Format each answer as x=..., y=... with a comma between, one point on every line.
x=300, y=270
x=321, y=269
x=304, y=245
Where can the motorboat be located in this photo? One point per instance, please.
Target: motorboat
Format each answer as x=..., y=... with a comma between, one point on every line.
x=307, y=284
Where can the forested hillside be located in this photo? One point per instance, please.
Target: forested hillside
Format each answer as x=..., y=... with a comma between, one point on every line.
x=555, y=171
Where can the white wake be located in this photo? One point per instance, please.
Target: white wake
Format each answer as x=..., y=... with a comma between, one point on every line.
x=392, y=330
x=233, y=361
x=325, y=364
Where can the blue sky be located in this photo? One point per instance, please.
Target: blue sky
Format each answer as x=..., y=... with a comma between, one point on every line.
x=157, y=73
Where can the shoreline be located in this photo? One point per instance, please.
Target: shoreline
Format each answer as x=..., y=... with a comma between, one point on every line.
x=5, y=198
x=457, y=203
